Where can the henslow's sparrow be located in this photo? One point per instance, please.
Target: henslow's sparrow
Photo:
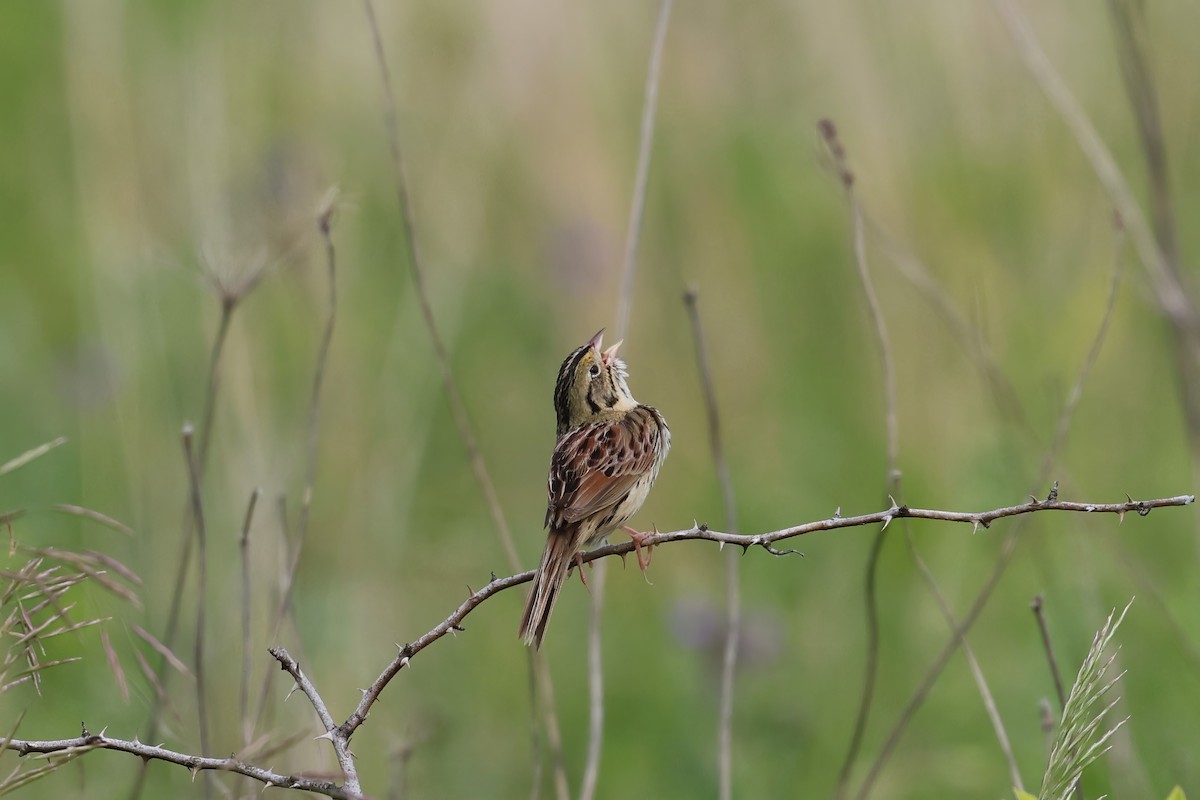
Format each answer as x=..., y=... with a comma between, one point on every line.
x=609, y=450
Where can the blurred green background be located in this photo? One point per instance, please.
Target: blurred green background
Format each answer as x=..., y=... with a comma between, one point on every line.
x=148, y=149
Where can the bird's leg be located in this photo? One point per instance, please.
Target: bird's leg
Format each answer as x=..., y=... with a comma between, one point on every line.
x=579, y=570
x=637, y=538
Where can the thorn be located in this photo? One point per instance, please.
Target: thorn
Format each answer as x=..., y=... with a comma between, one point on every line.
x=1128, y=498
x=326, y=735
x=470, y=591
x=404, y=662
x=745, y=547
x=1033, y=501
x=886, y=521
x=720, y=546
x=974, y=527
x=295, y=688
x=103, y=731
x=457, y=628
x=195, y=771
x=893, y=501
x=363, y=692
x=1089, y=509
x=1121, y=516
x=838, y=513
x=1053, y=496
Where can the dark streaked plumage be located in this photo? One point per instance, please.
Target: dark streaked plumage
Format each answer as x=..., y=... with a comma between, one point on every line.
x=608, y=453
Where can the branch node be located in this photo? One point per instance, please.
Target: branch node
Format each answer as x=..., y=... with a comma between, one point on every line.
x=1053, y=496
x=1143, y=509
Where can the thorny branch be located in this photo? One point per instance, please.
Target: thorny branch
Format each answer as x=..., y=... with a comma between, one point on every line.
x=766, y=541
x=340, y=740
x=343, y=732
x=98, y=741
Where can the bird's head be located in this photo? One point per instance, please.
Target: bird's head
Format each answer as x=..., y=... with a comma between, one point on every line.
x=591, y=384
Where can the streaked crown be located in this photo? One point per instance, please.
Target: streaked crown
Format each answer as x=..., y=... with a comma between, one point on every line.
x=590, y=383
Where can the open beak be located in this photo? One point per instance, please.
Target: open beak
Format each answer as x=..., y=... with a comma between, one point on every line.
x=596, y=340
x=611, y=353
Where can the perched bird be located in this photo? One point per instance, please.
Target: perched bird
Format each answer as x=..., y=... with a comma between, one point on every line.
x=609, y=450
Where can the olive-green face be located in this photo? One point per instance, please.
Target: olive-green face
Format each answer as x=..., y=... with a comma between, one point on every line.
x=589, y=383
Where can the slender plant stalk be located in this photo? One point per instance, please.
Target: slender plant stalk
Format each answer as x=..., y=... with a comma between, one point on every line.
x=989, y=702
x=201, y=592
x=1007, y=547
x=458, y=410
x=244, y=553
x=624, y=308
x=733, y=601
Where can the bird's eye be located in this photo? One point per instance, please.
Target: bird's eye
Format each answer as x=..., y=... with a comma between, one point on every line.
x=594, y=370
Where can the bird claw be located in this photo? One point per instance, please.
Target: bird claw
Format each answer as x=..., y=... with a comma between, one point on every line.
x=637, y=537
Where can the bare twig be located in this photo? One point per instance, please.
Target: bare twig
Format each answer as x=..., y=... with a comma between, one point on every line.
x=624, y=306
x=1168, y=288
x=244, y=551
x=637, y=208
x=230, y=297
x=591, y=772
x=99, y=741
x=837, y=155
x=989, y=702
x=733, y=602
x=458, y=411
x=201, y=587
x=870, y=666
x=766, y=541
x=1008, y=547
x=1036, y=607
x=342, y=733
x=339, y=739
x=964, y=333
x=417, y=270
x=544, y=689
x=325, y=224
x=1128, y=28
x=229, y=303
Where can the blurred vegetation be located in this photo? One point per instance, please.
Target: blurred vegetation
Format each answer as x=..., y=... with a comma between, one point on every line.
x=147, y=147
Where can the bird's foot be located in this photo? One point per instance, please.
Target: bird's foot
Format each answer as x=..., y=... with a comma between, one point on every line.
x=637, y=538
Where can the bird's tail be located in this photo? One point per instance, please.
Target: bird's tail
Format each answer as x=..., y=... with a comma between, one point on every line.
x=551, y=574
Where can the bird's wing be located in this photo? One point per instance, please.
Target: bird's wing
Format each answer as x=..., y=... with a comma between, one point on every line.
x=593, y=467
